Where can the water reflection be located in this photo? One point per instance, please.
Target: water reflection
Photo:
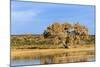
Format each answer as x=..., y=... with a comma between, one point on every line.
x=57, y=58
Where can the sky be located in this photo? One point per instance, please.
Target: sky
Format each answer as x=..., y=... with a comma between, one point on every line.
x=34, y=17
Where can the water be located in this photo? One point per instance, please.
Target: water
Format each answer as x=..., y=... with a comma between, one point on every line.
x=21, y=62
x=53, y=59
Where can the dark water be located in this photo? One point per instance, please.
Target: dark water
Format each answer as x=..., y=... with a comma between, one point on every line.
x=54, y=59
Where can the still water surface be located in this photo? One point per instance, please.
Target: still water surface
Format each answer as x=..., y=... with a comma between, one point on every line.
x=61, y=58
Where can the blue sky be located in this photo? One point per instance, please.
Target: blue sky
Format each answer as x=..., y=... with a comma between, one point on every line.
x=32, y=17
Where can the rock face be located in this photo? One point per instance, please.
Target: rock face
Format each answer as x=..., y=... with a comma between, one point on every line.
x=66, y=34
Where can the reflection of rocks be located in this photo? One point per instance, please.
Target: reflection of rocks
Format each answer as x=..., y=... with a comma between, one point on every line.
x=66, y=34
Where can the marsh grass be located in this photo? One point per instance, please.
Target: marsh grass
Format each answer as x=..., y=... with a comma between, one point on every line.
x=38, y=42
x=48, y=46
x=31, y=53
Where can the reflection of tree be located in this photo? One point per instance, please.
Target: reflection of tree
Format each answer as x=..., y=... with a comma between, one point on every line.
x=66, y=34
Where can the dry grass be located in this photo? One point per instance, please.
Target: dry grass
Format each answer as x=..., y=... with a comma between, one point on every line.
x=31, y=53
x=45, y=46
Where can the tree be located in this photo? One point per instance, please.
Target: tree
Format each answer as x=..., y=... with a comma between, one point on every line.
x=66, y=34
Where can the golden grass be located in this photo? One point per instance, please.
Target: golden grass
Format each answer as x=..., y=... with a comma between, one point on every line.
x=45, y=46
x=31, y=53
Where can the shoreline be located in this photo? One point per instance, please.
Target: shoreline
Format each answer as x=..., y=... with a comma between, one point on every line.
x=31, y=53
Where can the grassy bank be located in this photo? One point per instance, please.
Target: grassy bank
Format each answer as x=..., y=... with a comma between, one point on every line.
x=39, y=42
x=26, y=46
x=31, y=53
